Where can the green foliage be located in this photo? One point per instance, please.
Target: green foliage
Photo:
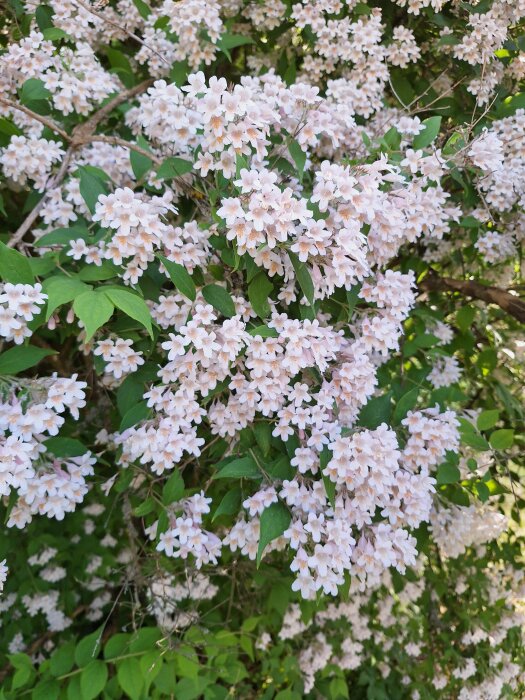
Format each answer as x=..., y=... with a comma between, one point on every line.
x=274, y=521
x=17, y=360
x=220, y=299
x=180, y=278
x=231, y=643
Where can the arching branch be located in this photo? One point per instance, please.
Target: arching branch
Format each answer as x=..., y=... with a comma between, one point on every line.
x=491, y=295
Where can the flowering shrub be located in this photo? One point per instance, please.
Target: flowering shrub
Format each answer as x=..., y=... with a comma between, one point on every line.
x=261, y=423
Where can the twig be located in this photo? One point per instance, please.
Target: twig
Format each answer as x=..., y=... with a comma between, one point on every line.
x=33, y=215
x=37, y=117
x=122, y=29
x=117, y=141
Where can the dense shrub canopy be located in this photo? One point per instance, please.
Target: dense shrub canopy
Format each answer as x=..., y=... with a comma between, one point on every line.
x=261, y=422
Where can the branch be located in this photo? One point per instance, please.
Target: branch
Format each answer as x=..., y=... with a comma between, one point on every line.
x=491, y=295
x=33, y=214
x=80, y=136
x=117, y=141
x=37, y=117
x=83, y=132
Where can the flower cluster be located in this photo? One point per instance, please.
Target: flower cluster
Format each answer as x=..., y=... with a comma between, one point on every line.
x=119, y=356
x=18, y=306
x=30, y=159
x=262, y=187
x=458, y=527
x=185, y=534
x=386, y=622
x=44, y=484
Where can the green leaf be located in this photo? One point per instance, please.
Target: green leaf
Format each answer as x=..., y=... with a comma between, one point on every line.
x=264, y=332
x=174, y=167
x=44, y=17
x=338, y=689
x=376, y=411
x=151, y=665
x=55, y=33
x=143, y=8
x=402, y=87
x=91, y=187
x=65, y=447
x=20, y=660
x=47, y=690
x=392, y=139
x=482, y=490
x=88, y=648
x=95, y=273
x=422, y=340
x=73, y=688
x=352, y=297
x=7, y=128
x=511, y=104
x=116, y=645
x=329, y=487
x=94, y=310
x=274, y=521
x=259, y=290
x=93, y=680
x=135, y=415
x=179, y=72
x=63, y=659
x=263, y=435
x=281, y=468
x=24, y=670
x=488, y=359
x=180, y=277
x=220, y=299
x=21, y=677
x=14, y=267
x=42, y=266
x=429, y=133
x=473, y=439
x=173, y=488
x=140, y=164
x=21, y=358
x=464, y=317
x=61, y=236
x=61, y=290
x=231, y=41
x=447, y=474
x=132, y=305
x=501, y=439
x=144, y=508
x=487, y=419
x=299, y=157
x=33, y=90
x=144, y=639
x=303, y=277
x=94, y=170
x=230, y=504
x=244, y=467
x=130, y=678
x=405, y=404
